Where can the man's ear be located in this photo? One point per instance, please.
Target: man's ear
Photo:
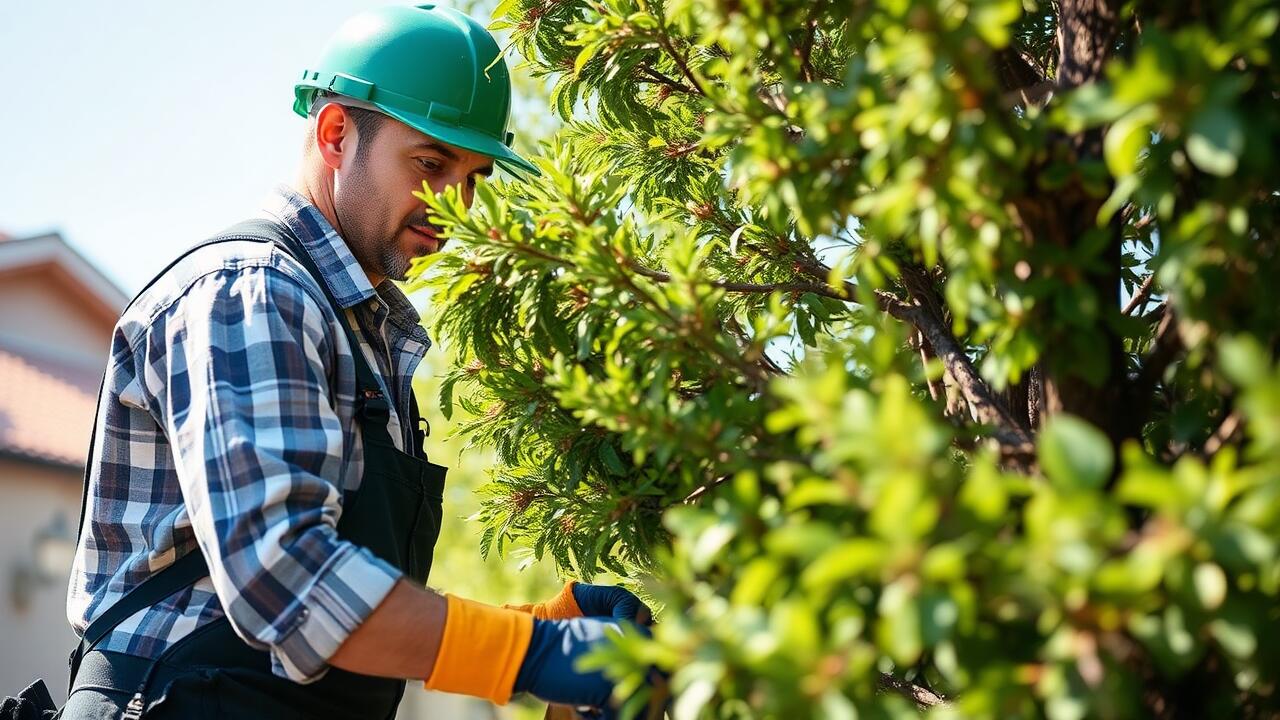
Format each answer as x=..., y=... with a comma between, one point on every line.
x=335, y=135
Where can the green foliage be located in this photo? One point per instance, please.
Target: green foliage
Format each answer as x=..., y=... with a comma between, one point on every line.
x=1046, y=482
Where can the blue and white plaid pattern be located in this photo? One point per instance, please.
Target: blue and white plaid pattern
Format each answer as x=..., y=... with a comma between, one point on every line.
x=228, y=421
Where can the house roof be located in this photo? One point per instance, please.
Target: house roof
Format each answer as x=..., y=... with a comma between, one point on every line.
x=50, y=253
x=46, y=408
x=46, y=402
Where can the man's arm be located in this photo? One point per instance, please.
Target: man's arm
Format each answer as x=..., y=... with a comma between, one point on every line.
x=238, y=371
x=237, y=375
x=400, y=639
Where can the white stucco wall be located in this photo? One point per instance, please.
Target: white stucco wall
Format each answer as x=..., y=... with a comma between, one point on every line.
x=35, y=638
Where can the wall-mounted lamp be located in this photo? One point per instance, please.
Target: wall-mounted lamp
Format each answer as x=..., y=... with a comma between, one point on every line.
x=53, y=549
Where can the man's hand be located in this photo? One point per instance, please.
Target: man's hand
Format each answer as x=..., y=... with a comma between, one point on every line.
x=610, y=601
x=549, y=670
x=582, y=600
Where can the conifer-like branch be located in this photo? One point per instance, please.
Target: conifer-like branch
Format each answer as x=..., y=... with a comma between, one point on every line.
x=795, y=286
x=662, y=78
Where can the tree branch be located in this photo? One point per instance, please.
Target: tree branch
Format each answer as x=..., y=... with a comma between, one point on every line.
x=1029, y=95
x=1086, y=33
x=664, y=39
x=1017, y=69
x=937, y=390
x=922, y=697
x=1225, y=433
x=1140, y=295
x=985, y=405
x=1164, y=350
x=1023, y=79
x=794, y=286
x=663, y=79
x=805, y=50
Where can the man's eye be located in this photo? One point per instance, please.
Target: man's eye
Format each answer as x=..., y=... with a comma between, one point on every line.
x=429, y=165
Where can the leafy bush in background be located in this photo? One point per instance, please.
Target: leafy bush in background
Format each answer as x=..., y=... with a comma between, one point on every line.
x=920, y=354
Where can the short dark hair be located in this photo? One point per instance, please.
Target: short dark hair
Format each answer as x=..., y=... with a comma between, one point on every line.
x=368, y=122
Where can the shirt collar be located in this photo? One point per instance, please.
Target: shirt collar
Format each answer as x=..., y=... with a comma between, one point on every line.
x=342, y=272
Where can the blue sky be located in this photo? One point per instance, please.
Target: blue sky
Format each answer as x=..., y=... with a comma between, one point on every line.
x=138, y=127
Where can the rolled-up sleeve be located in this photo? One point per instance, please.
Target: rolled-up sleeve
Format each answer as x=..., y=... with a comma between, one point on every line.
x=239, y=368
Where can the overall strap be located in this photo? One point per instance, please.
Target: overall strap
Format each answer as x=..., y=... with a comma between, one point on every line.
x=373, y=410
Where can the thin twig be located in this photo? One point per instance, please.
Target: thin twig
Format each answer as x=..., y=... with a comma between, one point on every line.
x=793, y=286
x=1225, y=433
x=704, y=488
x=1143, y=222
x=919, y=695
x=665, y=41
x=805, y=51
x=664, y=79
x=1029, y=96
x=749, y=370
x=1140, y=296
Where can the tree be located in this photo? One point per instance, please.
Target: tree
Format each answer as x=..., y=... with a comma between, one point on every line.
x=914, y=353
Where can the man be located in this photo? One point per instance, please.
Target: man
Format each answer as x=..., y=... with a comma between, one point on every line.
x=259, y=517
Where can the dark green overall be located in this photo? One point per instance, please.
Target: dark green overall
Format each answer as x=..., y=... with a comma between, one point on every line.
x=212, y=673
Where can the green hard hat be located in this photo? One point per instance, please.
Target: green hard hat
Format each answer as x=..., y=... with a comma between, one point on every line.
x=432, y=68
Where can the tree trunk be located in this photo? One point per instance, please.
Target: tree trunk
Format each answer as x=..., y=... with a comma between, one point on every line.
x=1067, y=217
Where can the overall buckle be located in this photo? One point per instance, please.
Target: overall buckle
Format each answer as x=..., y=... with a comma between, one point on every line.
x=373, y=406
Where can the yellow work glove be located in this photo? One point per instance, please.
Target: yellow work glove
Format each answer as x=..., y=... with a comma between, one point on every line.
x=480, y=636
x=560, y=607
x=583, y=600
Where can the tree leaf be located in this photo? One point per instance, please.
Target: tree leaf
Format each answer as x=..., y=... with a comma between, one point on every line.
x=1074, y=453
x=1127, y=139
x=1216, y=140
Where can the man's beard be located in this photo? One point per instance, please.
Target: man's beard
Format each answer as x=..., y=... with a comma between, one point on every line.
x=382, y=256
x=392, y=262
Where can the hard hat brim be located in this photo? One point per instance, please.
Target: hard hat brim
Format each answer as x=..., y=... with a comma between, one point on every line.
x=466, y=139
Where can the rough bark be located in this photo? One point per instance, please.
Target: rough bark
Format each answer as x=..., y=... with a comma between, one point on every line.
x=1087, y=31
x=985, y=404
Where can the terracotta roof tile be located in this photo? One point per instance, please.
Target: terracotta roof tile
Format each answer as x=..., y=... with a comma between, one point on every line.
x=46, y=408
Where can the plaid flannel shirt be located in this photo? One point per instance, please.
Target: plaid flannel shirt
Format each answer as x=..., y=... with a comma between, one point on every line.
x=226, y=425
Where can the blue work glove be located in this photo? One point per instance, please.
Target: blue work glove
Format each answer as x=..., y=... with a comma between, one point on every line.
x=549, y=669
x=610, y=601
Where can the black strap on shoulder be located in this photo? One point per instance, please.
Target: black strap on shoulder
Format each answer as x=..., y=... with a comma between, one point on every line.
x=189, y=568
x=185, y=571
x=372, y=406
